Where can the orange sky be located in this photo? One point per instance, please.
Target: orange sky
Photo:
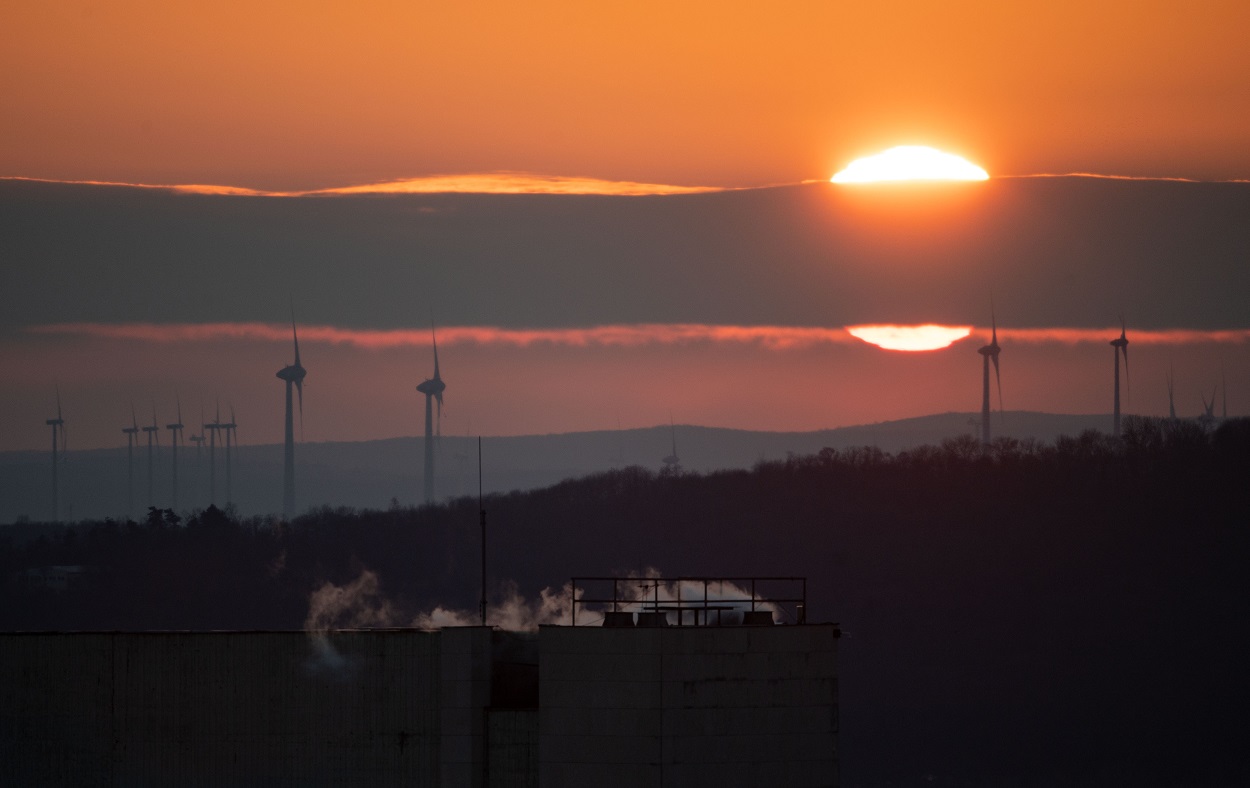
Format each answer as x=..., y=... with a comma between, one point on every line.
x=312, y=94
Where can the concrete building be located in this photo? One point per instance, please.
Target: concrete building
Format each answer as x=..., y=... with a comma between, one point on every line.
x=688, y=706
x=472, y=707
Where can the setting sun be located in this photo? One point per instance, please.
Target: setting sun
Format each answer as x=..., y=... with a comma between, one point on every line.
x=926, y=337
x=910, y=163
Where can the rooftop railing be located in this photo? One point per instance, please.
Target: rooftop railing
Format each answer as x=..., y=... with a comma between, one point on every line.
x=690, y=601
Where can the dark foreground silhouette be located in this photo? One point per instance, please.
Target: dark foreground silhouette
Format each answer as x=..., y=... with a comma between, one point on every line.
x=1036, y=614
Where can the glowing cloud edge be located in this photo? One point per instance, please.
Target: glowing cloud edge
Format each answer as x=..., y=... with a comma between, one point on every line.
x=620, y=335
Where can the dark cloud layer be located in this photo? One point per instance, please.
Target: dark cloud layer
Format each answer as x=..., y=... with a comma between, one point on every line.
x=1054, y=252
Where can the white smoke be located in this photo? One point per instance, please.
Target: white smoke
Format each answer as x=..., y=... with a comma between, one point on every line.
x=514, y=613
x=361, y=604
x=358, y=604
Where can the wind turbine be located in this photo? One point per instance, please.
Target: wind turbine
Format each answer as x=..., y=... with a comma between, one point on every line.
x=153, y=431
x=989, y=353
x=1119, y=346
x=198, y=440
x=1208, y=409
x=213, y=427
x=58, y=430
x=230, y=429
x=175, y=429
x=132, y=438
x=432, y=389
x=293, y=374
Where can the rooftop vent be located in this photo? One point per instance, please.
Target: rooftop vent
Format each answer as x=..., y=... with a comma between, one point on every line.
x=618, y=618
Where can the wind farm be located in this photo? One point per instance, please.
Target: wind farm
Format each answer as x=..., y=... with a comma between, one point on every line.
x=808, y=379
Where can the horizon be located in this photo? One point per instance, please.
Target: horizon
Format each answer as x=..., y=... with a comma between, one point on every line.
x=665, y=427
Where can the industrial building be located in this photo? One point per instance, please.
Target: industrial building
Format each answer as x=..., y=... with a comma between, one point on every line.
x=610, y=704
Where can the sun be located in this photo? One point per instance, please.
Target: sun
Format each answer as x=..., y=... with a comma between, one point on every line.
x=911, y=338
x=910, y=163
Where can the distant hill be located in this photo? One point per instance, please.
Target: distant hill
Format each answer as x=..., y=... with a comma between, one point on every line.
x=371, y=473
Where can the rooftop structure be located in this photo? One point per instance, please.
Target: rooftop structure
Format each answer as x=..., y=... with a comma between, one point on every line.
x=727, y=705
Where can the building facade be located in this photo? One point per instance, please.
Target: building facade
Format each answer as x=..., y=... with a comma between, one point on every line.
x=465, y=707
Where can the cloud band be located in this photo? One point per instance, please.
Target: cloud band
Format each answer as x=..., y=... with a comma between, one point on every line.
x=637, y=335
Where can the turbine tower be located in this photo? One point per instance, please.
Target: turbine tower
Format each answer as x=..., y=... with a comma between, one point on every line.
x=153, y=431
x=175, y=429
x=1119, y=346
x=432, y=389
x=213, y=427
x=198, y=440
x=230, y=435
x=132, y=438
x=1223, y=394
x=989, y=353
x=293, y=374
x=58, y=431
x=1171, y=398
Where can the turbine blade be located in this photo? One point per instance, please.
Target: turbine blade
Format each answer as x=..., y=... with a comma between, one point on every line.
x=998, y=378
x=1128, y=384
x=295, y=336
x=58, y=402
x=1223, y=393
x=179, y=401
x=434, y=338
x=1171, y=397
